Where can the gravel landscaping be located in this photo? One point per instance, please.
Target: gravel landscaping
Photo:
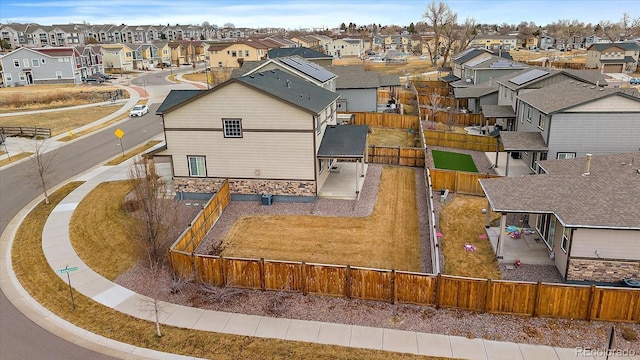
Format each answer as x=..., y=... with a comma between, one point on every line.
x=554, y=332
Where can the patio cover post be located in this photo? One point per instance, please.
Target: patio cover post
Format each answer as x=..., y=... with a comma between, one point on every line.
x=357, y=179
x=497, y=150
x=488, y=221
x=506, y=167
x=501, y=236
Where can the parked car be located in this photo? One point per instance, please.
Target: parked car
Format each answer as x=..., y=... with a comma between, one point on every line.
x=139, y=110
x=93, y=78
x=103, y=76
x=165, y=64
x=634, y=81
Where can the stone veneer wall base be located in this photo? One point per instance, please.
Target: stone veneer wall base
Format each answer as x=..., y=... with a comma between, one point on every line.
x=246, y=186
x=598, y=270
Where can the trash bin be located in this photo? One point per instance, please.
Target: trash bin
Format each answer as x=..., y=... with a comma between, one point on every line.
x=267, y=199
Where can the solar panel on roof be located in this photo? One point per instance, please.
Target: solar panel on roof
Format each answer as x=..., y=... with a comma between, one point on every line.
x=475, y=62
x=315, y=71
x=528, y=76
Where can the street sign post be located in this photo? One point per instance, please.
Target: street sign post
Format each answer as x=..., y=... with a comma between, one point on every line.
x=67, y=270
x=119, y=133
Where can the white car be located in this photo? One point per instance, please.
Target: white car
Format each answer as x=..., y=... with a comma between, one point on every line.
x=139, y=110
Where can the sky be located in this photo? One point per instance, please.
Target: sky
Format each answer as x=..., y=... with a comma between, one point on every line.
x=304, y=14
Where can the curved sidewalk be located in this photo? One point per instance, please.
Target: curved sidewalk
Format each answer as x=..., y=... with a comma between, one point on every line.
x=60, y=253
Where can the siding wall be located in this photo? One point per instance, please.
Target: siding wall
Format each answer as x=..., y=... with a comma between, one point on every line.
x=359, y=100
x=611, y=244
x=594, y=133
x=610, y=104
x=277, y=140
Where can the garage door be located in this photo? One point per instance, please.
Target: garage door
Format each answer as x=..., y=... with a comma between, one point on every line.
x=612, y=68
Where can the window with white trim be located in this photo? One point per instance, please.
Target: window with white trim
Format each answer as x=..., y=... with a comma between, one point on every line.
x=565, y=155
x=232, y=128
x=16, y=63
x=541, y=119
x=35, y=62
x=546, y=226
x=566, y=235
x=528, y=114
x=7, y=77
x=197, y=166
x=43, y=61
x=25, y=62
x=58, y=74
x=320, y=166
x=22, y=77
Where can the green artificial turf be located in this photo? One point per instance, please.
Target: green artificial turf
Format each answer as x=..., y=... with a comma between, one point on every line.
x=453, y=161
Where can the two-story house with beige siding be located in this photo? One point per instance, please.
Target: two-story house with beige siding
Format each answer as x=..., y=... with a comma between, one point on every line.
x=585, y=210
x=267, y=133
x=234, y=54
x=613, y=57
x=117, y=57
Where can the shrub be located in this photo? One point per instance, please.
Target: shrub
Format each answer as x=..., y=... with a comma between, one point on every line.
x=629, y=334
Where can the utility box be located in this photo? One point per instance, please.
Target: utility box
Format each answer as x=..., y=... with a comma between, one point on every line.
x=267, y=199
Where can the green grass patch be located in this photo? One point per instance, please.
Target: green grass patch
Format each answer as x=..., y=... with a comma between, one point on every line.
x=453, y=161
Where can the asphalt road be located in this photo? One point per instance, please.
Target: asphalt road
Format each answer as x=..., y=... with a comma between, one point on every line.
x=21, y=339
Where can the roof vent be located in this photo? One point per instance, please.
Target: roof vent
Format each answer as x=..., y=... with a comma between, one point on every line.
x=287, y=83
x=601, y=89
x=593, y=87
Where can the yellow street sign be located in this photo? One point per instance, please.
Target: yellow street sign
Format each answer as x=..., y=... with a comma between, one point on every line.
x=119, y=133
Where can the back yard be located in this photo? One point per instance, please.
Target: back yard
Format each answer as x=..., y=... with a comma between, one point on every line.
x=387, y=239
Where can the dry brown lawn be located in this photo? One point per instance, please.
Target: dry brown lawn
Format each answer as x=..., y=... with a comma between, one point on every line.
x=388, y=239
x=41, y=282
x=380, y=136
x=38, y=97
x=414, y=66
x=133, y=153
x=61, y=121
x=461, y=222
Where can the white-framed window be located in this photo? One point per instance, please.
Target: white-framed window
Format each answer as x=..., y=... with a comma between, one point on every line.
x=232, y=128
x=16, y=63
x=8, y=77
x=58, y=74
x=318, y=124
x=566, y=235
x=43, y=61
x=60, y=60
x=565, y=155
x=320, y=166
x=197, y=166
x=66, y=59
x=35, y=62
x=25, y=62
x=541, y=119
x=233, y=53
x=528, y=114
x=246, y=53
x=22, y=77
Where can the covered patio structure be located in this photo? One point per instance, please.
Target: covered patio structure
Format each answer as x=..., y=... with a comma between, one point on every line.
x=345, y=148
x=521, y=141
x=504, y=115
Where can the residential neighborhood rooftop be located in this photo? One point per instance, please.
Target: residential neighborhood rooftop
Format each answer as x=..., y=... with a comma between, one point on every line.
x=606, y=197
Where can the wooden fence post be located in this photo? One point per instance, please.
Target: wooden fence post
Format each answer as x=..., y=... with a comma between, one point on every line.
x=487, y=295
x=592, y=293
x=393, y=286
x=347, y=282
x=303, y=278
x=262, y=274
x=223, y=271
x=399, y=154
x=536, y=303
x=438, y=289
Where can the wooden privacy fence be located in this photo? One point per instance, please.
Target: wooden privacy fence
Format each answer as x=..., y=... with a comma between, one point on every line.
x=484, y=295
x=189, y=240
x=460, y=119
x=386, y=120
x=27, y=131
x=461, y=141
x=460, y=182
x=396, y=155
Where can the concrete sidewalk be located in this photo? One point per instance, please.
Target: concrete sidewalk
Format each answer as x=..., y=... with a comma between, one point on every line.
x=60, y=253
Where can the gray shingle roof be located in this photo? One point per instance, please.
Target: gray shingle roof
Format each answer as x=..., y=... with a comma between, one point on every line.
x=344, y=141
x=606, y=198
x=497, y=111
x=567, y=94
x=303, y=52
x=176, y=97
x=472, y=92
x=627, y=59
x=522, y=140
x=468, y=55
x=291, y=89
x=355, y=77
x=630, y=45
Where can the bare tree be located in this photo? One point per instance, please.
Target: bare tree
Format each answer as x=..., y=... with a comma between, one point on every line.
x=437, y=17
x=611, y=31
x=154, y=217
x=42, y=162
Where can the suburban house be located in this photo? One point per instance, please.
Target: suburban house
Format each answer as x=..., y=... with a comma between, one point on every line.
x=613, y=57
x=358, y=88
x=585, y=210
x=345, y=47
x=546, y=42
x=145, y=56
x=527, y=41
x=473, y=55
x=495, y=42
x=295, y=65
x=308, y=41
x=284, y=144
x=305, y=53
x=573, y=118
x=117, y=57
x=234, y=54
x=26, y=66
x=164, y=52
x=483, y=69
x=93, y=56
x=511, y=86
